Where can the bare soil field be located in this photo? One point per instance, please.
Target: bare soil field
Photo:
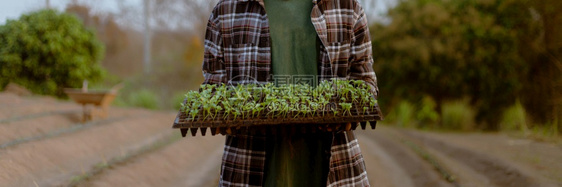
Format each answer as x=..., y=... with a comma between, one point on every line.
x=44, y=143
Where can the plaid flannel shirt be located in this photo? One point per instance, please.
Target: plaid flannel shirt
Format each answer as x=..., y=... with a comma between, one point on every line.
x=238, y=51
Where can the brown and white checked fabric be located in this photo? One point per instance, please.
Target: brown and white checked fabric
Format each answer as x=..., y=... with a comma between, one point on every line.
x=238, y=51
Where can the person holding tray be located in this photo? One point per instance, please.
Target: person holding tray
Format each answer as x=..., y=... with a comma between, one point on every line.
x=261, y=41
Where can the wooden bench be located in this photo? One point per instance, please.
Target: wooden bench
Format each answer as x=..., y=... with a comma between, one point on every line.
x=97, y=98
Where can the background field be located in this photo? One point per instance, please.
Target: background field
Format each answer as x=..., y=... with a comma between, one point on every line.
x=43, y=143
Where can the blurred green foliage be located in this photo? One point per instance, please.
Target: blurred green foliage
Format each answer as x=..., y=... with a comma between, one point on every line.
x=453, y=115
x=134, y=94
x=457, y=115
x=144, y=99
x=177, y=100
x=452, y=50
x=513, y=119
x=404, y=114
x=427, y=114
x=46, y=51
x=541, y=95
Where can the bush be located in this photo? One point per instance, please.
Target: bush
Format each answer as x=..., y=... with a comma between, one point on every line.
x=452, y=50
x=144, y=99
x=404, y=114
x=513, y=119
x=46, y=51
x=457, y=115
x=427, y=116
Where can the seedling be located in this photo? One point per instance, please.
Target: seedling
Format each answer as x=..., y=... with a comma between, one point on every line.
x=268, y=100
x=346, y=108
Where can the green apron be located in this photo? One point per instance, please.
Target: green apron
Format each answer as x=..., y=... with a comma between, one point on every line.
x=297, y=159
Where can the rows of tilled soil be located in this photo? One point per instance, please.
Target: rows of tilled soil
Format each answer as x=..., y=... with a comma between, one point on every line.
x=41, y=146
x=499, y=159
x=15, y=108
x=166, y=167
x=44, y=143
x=415, y=158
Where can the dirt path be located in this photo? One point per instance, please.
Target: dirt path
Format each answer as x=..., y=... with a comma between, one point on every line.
x=50, y=159
x=497, y=172
x=13, y=107
x=472, y=159
x=401, y=165
x=191, y=162
x=504, y=160
x=41, y=145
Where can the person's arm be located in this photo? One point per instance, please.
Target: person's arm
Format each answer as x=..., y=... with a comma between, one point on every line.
x=213, y=60
x=361, y=59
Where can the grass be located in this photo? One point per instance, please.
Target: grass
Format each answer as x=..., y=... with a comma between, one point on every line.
x=134, y=96
x=515, y=122
x=514, y=119
x=457, y=115
x=144, y=99
x=427, y=115
x=402, y=115
x=146, y=92
x=546, y=133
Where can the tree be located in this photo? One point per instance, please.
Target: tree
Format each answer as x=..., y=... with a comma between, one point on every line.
x=454, y=50
x=188, y=16
x=47, y=51
x=112, y=35
x=107, y=30
x=542, y=96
